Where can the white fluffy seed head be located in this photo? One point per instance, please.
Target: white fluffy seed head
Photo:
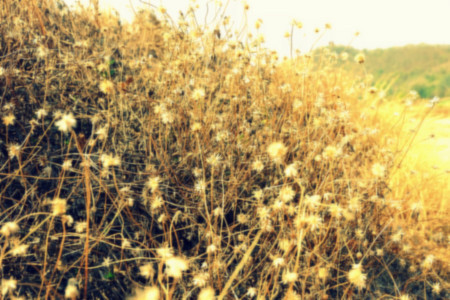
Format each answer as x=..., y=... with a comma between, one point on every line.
x=206, y=293
x=9, y=228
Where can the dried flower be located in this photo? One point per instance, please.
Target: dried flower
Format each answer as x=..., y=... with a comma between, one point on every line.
x=313, y=201
x=14, y=150
x=258, y=194
x=331, y=152
x=126, y=244
x=291, y=170
x=196, y=126
x=130, y=201
x=8, y=285
x=41, y=51
x=242, y=218
x=68, y=219
x=147, y=293
x=19, y=250
x=156, y=202
x=175, y=266
x=9, y=228
x=433, y=101
x=323, y=274
x=71, y=291
x=357, y=277
x=200, y=280
x=207, y=293
x=437, y=288
x=428, y=262
x=59, y=206
x=297, y=24
x=147, y=270
x=165, y=252
x=344, y=56
x=287, y=194
x=289, y=277
x=40, y=113
x=162, y=9
x=197, y=172
x=198, y=94
x=314, y=221
x=214, y=160
x=153, y=183
x=67, y=164
x=278, y=262
x=102, y=133
x=167, y=117
x=80, y=226
x=277, y=151
x=360, y=58
x=66, y=123
x=106, y=87
x=9, y=120
x=251, y=292
x=257, y=166
x=109, y=160
x=211, y=248
x=200, y=186
x=107, y=262
x=378, y=170
x=258, y=23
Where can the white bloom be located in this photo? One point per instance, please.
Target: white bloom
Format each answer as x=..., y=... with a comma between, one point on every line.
x=66, y=123
x=9, y=228
x=278, y=261
x=109, y=160
x=258, y=166
x=251, y=292
x=291, y=170
x=289, y=277
x=287, y=194
x=175, y=266
x=357, y=277
x=67, y=164
x=147, y=270
x=207, y=293
x=147, y=293
x=40, y=113
x=378, y=170
x=8, y=285
x=277, y=151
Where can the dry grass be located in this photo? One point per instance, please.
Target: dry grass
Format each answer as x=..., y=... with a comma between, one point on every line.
x=420, y=182
x=157, y=160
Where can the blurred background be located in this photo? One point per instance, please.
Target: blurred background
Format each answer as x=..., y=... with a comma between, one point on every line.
x=381, y=23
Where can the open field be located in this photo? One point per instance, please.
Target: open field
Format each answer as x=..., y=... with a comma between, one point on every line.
x=165, y=160
x=424, y=174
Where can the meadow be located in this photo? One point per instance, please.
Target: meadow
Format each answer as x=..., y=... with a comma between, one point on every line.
x=164, y=159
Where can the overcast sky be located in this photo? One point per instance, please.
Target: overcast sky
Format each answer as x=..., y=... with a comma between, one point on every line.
x=381, y=23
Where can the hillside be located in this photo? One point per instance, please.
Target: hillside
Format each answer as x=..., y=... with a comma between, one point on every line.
x=157, y=160
x=423, y=68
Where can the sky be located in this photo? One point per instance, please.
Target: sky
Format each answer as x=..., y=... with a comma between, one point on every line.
x=381, y=23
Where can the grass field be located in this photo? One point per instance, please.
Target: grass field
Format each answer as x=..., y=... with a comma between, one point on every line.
x=166, y=160
x=424, y=175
